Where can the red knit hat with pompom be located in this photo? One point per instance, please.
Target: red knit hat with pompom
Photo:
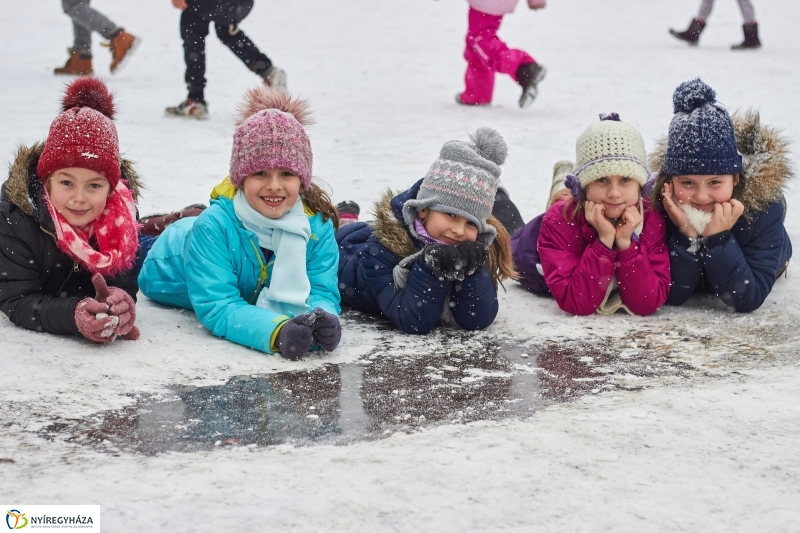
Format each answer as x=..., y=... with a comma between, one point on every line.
x=84, y=134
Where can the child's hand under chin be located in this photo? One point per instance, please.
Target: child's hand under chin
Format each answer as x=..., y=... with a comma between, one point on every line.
x=675, y=213
x=596, y=217
x=724, y=217
x=630, y=219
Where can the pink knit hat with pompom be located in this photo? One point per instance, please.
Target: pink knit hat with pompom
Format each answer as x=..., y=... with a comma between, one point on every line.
x=270, y=134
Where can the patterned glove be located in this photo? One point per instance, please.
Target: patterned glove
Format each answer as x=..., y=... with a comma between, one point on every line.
x=444, y=261
x=94, y=322
x=120, y=304
x=474, y=255
x=327, y=331
x=295, y=337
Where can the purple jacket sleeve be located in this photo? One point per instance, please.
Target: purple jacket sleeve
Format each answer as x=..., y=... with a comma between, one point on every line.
x=577, y=266
x=643, y=269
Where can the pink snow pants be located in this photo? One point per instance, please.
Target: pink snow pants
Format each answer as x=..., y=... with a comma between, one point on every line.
x=485, y=55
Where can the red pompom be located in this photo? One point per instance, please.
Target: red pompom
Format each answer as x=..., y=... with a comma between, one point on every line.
x=89, y=92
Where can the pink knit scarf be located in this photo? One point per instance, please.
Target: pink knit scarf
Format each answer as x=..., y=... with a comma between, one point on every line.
x=116, y=231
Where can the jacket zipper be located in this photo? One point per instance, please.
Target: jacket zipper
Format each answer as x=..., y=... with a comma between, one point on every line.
x=75, y=266
x=262, y=276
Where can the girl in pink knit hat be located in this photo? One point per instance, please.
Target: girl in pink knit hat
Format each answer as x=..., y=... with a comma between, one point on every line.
x=68, y=228
x=486, y=55
x=258, y=267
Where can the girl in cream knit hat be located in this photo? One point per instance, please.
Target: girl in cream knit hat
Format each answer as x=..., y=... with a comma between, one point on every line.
x=598, y=248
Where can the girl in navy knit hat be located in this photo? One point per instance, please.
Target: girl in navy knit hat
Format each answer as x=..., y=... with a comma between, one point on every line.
x=721, y=185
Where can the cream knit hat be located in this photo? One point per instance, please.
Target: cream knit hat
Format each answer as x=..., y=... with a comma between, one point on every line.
x=608, y=148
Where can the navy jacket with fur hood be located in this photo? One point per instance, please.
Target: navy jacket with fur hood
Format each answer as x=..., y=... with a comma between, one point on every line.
x=39, y=284
x=740, y=265
x=368, y=256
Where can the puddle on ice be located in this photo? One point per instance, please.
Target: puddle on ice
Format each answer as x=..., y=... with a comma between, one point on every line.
x=400, y=386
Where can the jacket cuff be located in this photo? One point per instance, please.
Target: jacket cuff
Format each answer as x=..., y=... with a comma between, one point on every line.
x=604, y=251
x=681, y=240
x=630, y=253
x=274, y=338
x=718, y=239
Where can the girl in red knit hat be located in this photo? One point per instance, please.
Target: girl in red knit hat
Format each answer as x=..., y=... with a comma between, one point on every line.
x=68, y=226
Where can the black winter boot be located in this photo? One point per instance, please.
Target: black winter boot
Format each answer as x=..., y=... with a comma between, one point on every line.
x=751, y=40
x=692, y=33
x=529, y=76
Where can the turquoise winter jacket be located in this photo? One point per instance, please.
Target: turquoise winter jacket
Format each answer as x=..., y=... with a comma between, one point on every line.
x=213, y=265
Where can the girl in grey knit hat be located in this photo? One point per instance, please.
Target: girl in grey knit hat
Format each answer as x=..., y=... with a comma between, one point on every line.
x=434, y=253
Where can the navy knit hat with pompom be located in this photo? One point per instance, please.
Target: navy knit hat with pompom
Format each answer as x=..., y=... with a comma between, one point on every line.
x=463, y=181
x=701, y=137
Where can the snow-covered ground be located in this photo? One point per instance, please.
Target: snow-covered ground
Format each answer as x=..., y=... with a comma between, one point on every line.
x=711, y=446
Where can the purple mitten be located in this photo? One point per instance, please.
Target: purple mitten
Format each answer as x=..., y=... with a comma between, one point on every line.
x=327, y=329
x=93, y=321
x=295, y=337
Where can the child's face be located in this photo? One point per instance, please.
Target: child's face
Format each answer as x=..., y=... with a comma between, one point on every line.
x=79, y=194
x=272, y=192
x=448, y=228
x=615, y=193
x=702, y=192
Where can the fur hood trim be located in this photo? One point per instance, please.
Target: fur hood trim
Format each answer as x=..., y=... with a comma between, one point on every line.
x=766, y=167
x=23, y=183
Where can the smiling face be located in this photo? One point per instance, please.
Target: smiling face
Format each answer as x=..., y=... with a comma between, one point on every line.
x=272, y=192
x=615, y=193
x=448, y=228
x=702, y=192
x=79, y=194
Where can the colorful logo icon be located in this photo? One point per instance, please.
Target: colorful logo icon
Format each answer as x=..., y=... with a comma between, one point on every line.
x=17, y=516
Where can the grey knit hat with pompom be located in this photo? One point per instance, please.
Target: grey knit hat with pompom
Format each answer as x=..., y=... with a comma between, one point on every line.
x=463, y=181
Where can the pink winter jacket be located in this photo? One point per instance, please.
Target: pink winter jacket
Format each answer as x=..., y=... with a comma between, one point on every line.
x=497, y=8
x=578, y=267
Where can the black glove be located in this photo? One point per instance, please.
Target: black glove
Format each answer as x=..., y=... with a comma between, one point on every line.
x=327, y=332
x=474, y=255
x=444, y=261
x=295, y=337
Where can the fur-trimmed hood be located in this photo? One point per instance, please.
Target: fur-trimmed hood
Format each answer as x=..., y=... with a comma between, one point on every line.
x=24, y=189
x=766, y=167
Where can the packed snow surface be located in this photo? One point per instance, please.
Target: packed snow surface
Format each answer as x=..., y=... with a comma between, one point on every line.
x=696, y=424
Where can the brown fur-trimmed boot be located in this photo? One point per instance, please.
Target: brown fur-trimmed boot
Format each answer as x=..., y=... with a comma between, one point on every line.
x=76, y=65
x=122, y=45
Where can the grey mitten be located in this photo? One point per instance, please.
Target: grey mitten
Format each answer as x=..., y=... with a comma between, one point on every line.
x=295, y=337
x=444, y=261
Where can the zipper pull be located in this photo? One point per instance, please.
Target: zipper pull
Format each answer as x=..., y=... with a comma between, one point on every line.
x=75, y=266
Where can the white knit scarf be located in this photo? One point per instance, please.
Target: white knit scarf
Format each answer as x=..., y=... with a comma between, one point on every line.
x=287, y=237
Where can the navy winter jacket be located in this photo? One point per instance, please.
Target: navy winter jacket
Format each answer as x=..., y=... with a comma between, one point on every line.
x=368, y=255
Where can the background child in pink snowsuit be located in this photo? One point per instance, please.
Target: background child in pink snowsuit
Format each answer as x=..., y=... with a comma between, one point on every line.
x=486, y=54
x=599, y=247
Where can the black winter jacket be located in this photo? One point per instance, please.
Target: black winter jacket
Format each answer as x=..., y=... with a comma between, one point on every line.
x=39, y=284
